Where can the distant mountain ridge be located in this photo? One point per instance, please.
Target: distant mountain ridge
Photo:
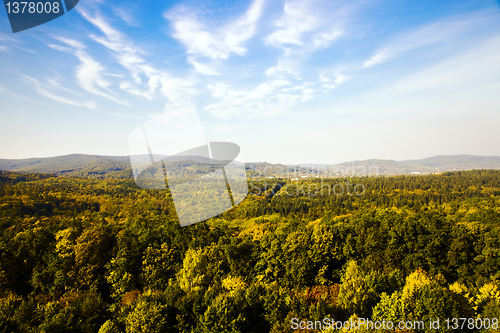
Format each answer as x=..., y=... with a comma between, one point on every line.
x=458, y=162
x=97, y=166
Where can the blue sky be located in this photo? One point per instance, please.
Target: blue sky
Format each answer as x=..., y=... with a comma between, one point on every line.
x=290, y=82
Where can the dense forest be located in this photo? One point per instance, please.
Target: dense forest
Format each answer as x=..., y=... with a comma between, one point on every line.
x=103, y=255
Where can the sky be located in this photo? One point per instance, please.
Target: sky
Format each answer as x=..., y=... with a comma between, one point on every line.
x=288, y=81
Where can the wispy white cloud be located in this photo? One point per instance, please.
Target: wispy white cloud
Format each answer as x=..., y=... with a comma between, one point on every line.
x=281, y=69
x=45, y=90
x=308, y=26
x=322, y=40
x=71, y=42
x=8, y=38
x=18, y=96
x=128, y=55
x=126, y=14
x=58, y=85
x=13, y=42
x=329, y=82
x=25, y=49
x=428, y=34
x=271, y=98
x=217, y=42
x=339, y=79
x=375, y=59
x=476, y=69
x=202, y=68
x=295, y=22
x=90, y=78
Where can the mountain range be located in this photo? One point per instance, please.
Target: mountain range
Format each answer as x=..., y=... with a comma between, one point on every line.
x=96, y=166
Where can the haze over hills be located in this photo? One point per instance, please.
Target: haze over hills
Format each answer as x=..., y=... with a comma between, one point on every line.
x=379, y=167
x=435, y=164
x=458, y=162
x=74, y=165
x=96, y=166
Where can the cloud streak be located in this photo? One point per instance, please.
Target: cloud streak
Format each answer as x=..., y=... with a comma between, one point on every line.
x=202, y=68
x=426, y=35
x=145, y=80
x=126, y=15
x=89, y=73
x=45, y=90
x=476, y=68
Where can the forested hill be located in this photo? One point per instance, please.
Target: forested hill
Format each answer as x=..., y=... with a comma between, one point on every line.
x=118, y=167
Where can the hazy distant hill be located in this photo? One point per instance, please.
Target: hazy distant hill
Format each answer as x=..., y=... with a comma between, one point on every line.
x=376, y=167
x=372, y=167
x=458, y=162
x=75, y=165
x=95, y=166
x=435, y=164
